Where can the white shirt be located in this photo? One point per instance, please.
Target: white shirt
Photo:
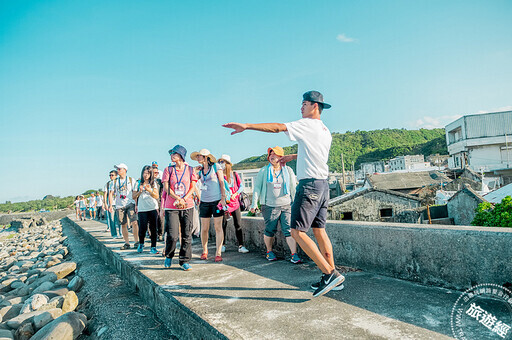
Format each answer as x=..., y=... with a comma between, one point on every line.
x=99, y=201
x=124, y=187
x=92, y=200
x=146, y=202
x=314, y=140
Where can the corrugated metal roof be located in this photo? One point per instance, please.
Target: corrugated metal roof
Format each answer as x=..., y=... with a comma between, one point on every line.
x=497, y=195
x=407, y=180
x=489, y=124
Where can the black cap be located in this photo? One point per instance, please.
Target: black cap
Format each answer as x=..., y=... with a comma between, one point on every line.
x=315, y=97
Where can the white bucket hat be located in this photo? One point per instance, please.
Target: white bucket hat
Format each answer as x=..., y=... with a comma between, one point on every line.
x=226, y=158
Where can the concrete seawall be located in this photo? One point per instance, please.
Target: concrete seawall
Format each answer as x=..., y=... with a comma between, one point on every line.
x=447, y=256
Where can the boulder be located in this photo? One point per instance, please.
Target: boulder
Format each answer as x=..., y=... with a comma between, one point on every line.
x=56, y=292
x=67, y=327
x=34, y=303
x=18, y=320
x=24, y=331
x=62, y=270
x=62, y=282
x=43, y=287
x=43, y=319
x=10, y=312
x=55, y=302
x=49, y=277
x=70, y=302
x=6, y=334
x=76, y=283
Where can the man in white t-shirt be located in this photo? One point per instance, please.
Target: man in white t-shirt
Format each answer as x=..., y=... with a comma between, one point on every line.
x=92, y=206
x=109, y=206
x=309, y=207
x=125, y=204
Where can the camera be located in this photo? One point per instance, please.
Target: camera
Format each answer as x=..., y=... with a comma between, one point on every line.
x=122, y=197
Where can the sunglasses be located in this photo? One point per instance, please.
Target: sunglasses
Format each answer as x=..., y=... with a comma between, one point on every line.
x=111, y=175
x=221, y=162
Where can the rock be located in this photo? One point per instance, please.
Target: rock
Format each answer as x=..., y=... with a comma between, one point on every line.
x=34, y=303
x=56, y=292
x=18, y=320
x=43, y=319
x=55, y=302
x=62, y=282
x=62, y=270
x=6, y=334
x=49, y=277
x=51, y=263
x=76, y=283
x=5, y=286
x=70, y=302
x=67, y=327
x=43, y=287
x=16, y=300
x=24, y=331
x=22, y=291
x=17, y=284
x=10, y=312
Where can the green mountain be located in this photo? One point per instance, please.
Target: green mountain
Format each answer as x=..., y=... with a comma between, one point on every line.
x=369, y=146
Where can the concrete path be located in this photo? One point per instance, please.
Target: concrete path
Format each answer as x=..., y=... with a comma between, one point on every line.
x=246, y=297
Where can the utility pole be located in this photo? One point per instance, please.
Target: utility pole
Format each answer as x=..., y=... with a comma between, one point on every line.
x=342, y=174
x=506, y=150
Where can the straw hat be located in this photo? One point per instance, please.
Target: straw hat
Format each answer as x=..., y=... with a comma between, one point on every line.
x=226, y=158
x=203, y=152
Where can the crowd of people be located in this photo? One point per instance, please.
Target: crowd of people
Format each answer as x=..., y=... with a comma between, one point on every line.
x=166, y=203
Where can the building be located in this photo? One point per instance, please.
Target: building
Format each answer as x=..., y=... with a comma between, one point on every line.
x=248, y=177
x=498, y=195
x=461, y=206
x=439, y=161
x=482, y=142
x=371, y=204
x=408, y=162
x=406, y=182
x=371, y=168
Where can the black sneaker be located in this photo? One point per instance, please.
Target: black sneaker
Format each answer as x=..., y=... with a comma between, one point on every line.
x=315, y=286
x=125, y=246
x=328, y=282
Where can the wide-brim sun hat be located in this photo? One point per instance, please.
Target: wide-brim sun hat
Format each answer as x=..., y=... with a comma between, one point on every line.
x=226, y=158
x=205, y=153
x=121, y=166
x=315, y=97
x=277, y=150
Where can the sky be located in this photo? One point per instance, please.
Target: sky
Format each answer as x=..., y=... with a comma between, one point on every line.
x=85, y=85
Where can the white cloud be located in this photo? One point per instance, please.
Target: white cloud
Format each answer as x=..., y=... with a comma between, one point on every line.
x=343, y=38
x=500, y=109
x=429, y=122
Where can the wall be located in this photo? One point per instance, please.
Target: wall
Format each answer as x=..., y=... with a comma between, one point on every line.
x=367, y=207
x=50, y=216
x=446, y=256
x=462, y=208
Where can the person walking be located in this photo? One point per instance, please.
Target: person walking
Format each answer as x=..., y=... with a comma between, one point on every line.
x=83, y=208
x=236, y=188
x=146, y=196
x=213, y=200
x=109, y=205
x=125, y=205
x=92, y=206
x=99, y=206
x=160, y=220
x=275, y=189
x=309, y=209
x=179, y=181
x=77, y=207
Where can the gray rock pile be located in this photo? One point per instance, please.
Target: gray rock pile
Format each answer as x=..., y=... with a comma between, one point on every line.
x=37, y=285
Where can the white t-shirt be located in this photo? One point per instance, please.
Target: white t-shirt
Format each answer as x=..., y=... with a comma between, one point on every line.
x=314, y=140
x=146, y=202
x=99, y=201
x=91, y=201
x=109, y=187
x=124, y=187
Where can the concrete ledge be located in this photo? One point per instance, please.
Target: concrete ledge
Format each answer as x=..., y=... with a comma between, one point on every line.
x=444, y=255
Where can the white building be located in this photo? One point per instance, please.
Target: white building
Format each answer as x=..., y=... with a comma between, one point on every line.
x=248, y=177
x=481, y=142
x=408, y=162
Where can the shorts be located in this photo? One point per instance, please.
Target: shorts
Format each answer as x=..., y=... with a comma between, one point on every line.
x=125, y=213
x=91, y=208
x=83, y=209
x=309, y=208
x=209, y=209
x=272, y=215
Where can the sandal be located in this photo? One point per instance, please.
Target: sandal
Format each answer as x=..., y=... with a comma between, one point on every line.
x=204, y=256
x=218, y=258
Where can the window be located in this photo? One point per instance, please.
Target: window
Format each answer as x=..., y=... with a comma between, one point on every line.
x=347, y=216
x=248, y=183
x=388, y=212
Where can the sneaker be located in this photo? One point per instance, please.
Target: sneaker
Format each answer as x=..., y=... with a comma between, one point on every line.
x=186, y=266
x=168, y=262
x=125, y=246
x=218, y=259
x=295, y=258
x=328, y=282
x=223, y=249
x=204, y=256
x=242, y=249
x=315, y=286
x=271, y=256
x=153, y=250
x=140, y=248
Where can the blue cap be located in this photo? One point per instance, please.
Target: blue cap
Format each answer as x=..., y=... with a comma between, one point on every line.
x=180, y=150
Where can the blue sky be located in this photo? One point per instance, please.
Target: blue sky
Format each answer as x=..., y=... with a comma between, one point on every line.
x=87, y=84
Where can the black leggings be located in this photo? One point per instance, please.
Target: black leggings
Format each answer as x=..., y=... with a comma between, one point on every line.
x=176, y=220
x=237, y=217
x=148, y=218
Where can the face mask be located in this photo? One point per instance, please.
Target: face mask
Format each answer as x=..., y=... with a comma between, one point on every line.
x=223, y=166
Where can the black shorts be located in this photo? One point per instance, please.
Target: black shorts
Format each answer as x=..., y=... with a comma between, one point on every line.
x=309, y=208
x=209, y=209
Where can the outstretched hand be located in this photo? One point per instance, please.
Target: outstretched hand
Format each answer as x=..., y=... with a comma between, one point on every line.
x=285, y=159
x=238, y=127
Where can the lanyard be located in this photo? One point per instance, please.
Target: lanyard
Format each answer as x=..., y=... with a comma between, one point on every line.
x=205, y=178
x=176, y=174
x=124, y=184
x=280, y=172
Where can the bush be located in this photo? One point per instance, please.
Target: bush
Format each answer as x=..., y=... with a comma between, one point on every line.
x=499, y=215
